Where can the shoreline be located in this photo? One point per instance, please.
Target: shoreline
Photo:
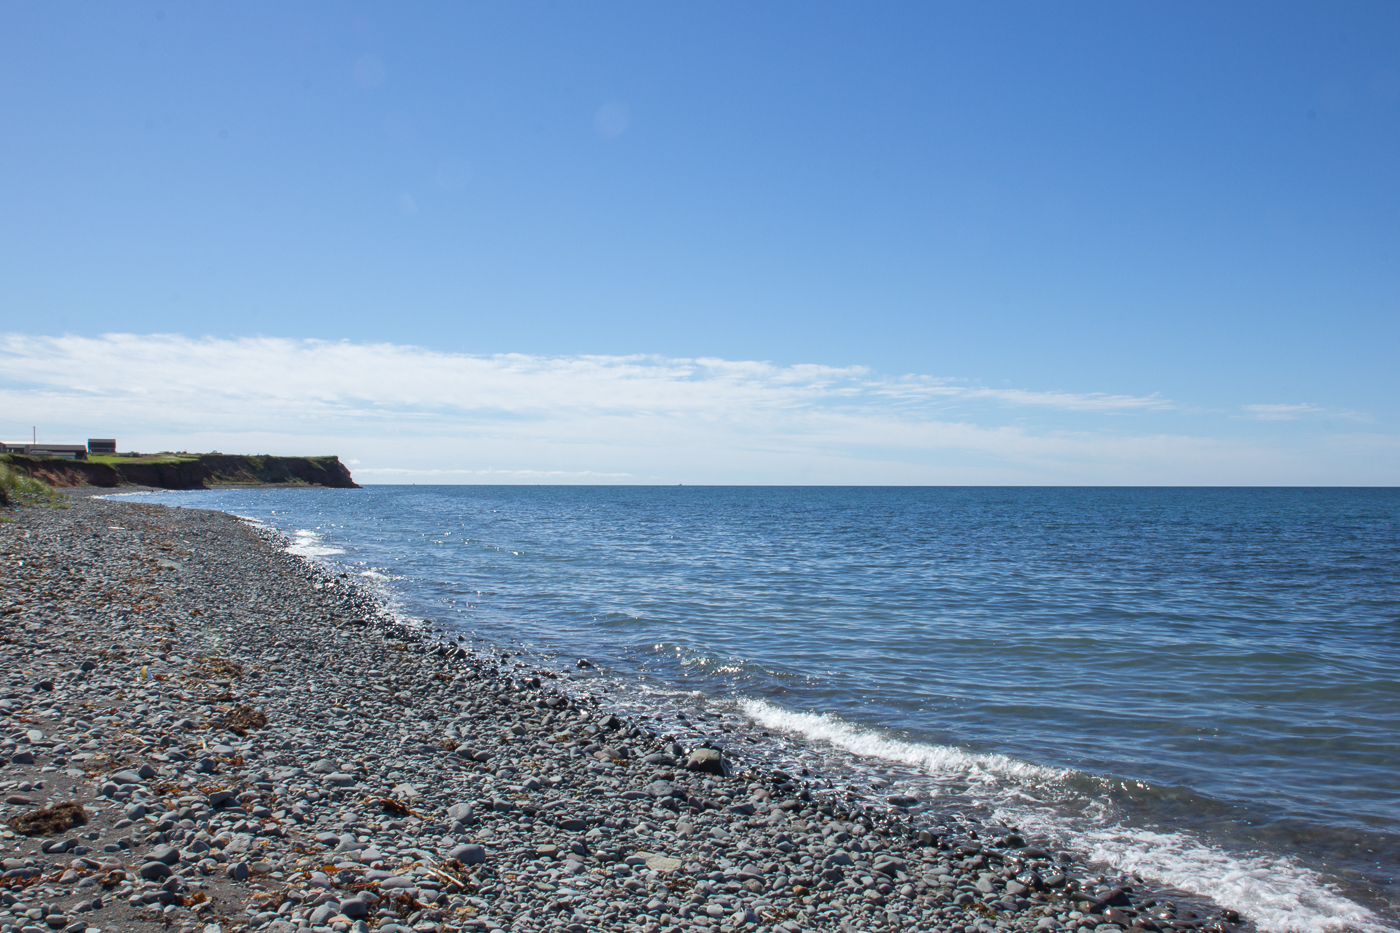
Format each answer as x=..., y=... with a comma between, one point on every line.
x=385, y=754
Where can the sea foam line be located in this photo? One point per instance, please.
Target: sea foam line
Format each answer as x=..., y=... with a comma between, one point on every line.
x=983, y=767
x=307, y=543
x=1278, y=894
x=1275, y=892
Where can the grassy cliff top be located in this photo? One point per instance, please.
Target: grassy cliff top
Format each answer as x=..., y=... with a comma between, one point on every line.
x=184, y=470
x=119, y=459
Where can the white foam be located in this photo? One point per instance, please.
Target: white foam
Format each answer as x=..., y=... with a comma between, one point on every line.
x=1277, y=893
x=307, y=543
x=937, y=760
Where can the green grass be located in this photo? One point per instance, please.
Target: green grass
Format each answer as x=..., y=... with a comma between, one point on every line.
x=19, y=488
x=114, y=460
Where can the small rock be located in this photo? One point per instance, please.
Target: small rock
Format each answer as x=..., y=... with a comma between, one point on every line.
x=167, y=854
x=746, y=917
x=467, y=854
x=663, y=863
x=322, y=915
x=154, y=871
x=354, y=908
x=888, y=865
x=707, y=760
x=236, y=871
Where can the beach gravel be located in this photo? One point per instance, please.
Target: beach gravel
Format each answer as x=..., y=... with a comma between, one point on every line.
x=256, y=745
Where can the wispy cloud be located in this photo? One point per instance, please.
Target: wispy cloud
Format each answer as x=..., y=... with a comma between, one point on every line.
x=1295, y=411
x=413, y=414
x=1282, y=412
x=928, y=388
x=328, y=377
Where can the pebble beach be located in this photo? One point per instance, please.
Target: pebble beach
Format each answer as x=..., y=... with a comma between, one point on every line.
x=202, y=733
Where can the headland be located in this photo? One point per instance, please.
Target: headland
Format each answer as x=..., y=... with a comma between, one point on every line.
x=183, y=470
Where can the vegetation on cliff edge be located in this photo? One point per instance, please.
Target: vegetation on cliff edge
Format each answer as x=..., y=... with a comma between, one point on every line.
x=19, y=488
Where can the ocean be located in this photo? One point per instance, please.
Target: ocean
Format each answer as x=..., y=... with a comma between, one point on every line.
x=1201, y=686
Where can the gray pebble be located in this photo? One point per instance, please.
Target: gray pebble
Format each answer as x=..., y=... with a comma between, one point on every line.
x=154, y=871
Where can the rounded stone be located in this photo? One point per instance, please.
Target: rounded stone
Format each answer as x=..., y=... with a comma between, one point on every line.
x=154, y=871
x=167, y=854
x=467, y=854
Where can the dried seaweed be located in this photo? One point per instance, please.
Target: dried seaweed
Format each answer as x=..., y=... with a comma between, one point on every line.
x=49, y=820
x=244, y=719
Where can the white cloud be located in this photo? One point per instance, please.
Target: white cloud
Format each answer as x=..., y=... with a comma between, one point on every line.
x=328, y=377
x=1292, y=412
x=1281, y=412
x=911, y=387
x=412, y=414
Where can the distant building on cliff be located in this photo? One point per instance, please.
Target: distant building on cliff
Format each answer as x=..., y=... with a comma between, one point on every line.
x=95, y=445
x=64, y=451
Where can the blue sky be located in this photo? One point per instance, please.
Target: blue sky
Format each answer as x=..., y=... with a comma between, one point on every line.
x=1190, y=209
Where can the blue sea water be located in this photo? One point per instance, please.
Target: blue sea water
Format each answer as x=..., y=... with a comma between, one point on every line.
x=1199, y=685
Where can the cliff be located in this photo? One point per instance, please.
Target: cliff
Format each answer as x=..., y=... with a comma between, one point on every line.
x=311, y=471
x=187, y=471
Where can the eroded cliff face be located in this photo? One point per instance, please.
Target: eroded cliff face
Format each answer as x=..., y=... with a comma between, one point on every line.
x=313, y=471
x=64, y=473
x=186, y=474
x=198, y=472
